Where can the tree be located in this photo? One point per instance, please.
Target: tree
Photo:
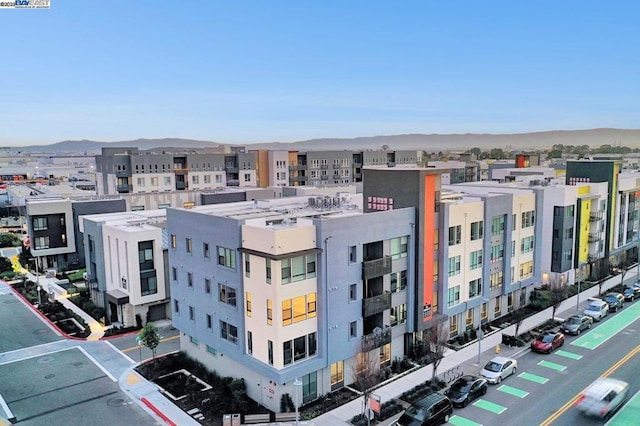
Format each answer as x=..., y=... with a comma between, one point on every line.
x=497, y=154
x=5, y=265
x=436, y=345
x=150, y=338
x=558, y=292
x=25, y=256
x=365, y=375
x=9, y=240
x=517, y=317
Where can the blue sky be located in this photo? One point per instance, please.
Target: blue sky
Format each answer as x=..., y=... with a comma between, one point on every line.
x=261, y=71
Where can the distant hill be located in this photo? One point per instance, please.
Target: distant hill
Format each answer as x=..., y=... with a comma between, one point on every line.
x=431, y=142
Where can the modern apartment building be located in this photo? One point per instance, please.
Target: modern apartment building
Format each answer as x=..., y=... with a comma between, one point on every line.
x=126, y=265
x=275, y=290
x=127, y=170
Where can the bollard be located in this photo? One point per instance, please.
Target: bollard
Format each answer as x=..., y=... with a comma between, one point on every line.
x=497, y=349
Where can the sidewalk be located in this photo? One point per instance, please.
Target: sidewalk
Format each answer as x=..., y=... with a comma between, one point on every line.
x=466, y=358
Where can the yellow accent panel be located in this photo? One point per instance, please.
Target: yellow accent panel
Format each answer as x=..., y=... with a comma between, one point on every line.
x=583, y=229
x=584, y=190
x=614, y=204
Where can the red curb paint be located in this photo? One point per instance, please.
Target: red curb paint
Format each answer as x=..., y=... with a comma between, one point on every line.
x=157, y=411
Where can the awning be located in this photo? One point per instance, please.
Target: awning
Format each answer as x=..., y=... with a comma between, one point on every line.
x=118, y=297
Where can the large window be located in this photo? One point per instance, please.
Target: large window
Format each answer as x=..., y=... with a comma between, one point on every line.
x=477, y=230
x=528, y=219
x=455, y=235
x=398, y=281
x=497, y=225
x=309, y=387
x=298, y=268
x=337, y=375
x=227, y=294
x=497, y=253
x=475, y=287
x=148, y=284
x=526, y=269
x=475, y=259
x=227, y=257
x=298, y=309
x=42, y=242
x=495, y=280
x=399, y=247
x=229, y=332
x=454, y=296
x=526, y=244
x=299, y=348
x=398, y=315
x=145, y=255
x=454, y=266
x=40, y=223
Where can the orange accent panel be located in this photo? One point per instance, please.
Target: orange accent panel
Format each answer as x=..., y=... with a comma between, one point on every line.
x=428, y=227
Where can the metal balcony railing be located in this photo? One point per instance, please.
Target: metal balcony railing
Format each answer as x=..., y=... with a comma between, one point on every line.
x=376, y=304
x=376, y=268
x=376, y=339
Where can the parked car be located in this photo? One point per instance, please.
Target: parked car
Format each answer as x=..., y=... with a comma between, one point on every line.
x=545, y=343
x=615, y=301
x=631, y=293
x=433, y=409
x=597, y=309
x=466, y=389
x=499, y=368
x=576, y=323
x=603, y=397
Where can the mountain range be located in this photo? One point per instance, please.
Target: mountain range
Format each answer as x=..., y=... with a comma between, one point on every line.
x=427, y=142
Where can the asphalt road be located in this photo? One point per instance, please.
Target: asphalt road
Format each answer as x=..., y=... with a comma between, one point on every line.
x=545, y=386
x=169, y=342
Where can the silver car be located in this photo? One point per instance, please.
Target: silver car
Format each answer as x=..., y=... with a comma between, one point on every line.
x=603, y=397
x=499, y=368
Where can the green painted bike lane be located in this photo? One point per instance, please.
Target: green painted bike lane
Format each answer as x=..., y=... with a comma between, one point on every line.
x=628, y=414
x=605, y=331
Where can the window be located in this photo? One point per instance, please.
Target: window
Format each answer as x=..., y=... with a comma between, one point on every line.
x=227, y=257
x=248, y=303
x=526, y=269
x=510, y=302
x=195, y=179
x=194, y=340
x=247, y=265
x=173, y=241
x=398, y=281
x=311, y=305
x=495, y=280
x=287, y=312
x=140, y=182
x=298, y=268
x=496, y=307
x=189, y=248
x=269, y=311
x=353, y=254
x=299, y=309
x=154, y=181
x=337, y=375
x=209, y=322
x=528, y=219
x=205, y=250
x=247, y=177
x=353, y=329
x=454, y=266
x=484, y=311
x=475, y=287
x=249, y=342
x=453, y=324
x=436, y=239
x=207, y=178
x=174, y=273
x=166, y=180
x=454, y=296
x=227, y=294
x=270, y=351
x=399, y=247
x=398, y=315
x=42, y=242
x=176, y=306
x=190, y=279
x=192, y=313
x=526, y=244
x=455, y=235
x=229, y=332
x=148, y=284
x=39, y=223
x=385, y=353
x=268, y=270
x=145, y=255
x=497, y=225
x=475, y=259
x=287, y=352
x=353, y=292
x=207, y=286
x=299, y=348
x=477, y=230
x=497, y=253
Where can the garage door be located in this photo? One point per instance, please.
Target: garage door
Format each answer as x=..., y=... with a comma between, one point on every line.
x=157, y=312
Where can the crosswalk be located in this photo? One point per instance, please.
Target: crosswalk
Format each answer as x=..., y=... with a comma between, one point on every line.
x=517, y=387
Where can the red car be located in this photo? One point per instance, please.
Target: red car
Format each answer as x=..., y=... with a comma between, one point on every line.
x=545, y=343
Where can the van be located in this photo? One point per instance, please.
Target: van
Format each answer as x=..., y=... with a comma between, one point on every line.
x=597, y=309
x=603, y=397
x=433, y=409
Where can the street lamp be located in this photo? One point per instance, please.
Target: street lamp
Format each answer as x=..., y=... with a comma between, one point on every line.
x=37, y=280
x=580, y=267
x=481, y=333
x=296, y=384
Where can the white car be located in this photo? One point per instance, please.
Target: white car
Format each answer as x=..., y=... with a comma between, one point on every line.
x=603, y=397
x=499, y=368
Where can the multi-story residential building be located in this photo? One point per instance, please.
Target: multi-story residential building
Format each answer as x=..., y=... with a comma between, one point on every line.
x=126, y=266
x=127, y=170
x=53, y=229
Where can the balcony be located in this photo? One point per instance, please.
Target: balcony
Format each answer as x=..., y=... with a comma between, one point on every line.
x=123, y=189
x=181, y=185
x=324, y=166
x=595, y=216
x=293, y=167
x=324, y=177
x=123, y=173
x=376, y=304
x=336, y=166
x=376, y=339
x=376, y=268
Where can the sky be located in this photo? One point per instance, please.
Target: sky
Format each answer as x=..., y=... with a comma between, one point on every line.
x=263, y=71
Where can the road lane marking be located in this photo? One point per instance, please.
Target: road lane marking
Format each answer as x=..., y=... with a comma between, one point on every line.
x=560, y=411
x=462, y=421
x=513, y=391
x=533, y=378
x=607, y=330
x=489, y=406
x=568, y=354
x=552, y=365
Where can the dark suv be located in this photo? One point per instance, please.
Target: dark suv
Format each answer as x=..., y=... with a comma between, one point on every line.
x=433, y=409
x=615, y=301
